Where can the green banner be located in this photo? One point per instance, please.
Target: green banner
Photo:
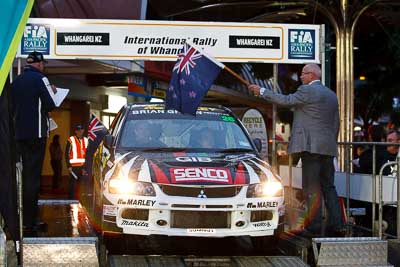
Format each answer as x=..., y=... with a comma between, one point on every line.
x=13, y=17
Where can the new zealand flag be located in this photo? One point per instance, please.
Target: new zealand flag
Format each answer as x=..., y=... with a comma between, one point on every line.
x=96, y=133
x=192, y=76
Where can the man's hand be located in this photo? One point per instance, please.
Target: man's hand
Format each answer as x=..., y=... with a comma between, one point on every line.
x=54, y=88
x=70, y=169
x=255, y=89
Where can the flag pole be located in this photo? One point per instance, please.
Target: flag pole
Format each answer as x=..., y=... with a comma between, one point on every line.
x=237, y=76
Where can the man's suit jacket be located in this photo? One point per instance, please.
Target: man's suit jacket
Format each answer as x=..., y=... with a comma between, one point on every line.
x=316, y=118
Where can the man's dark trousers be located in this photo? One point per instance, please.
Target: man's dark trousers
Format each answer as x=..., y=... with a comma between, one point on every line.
x=318, y=176
x=75, y=184
x=32, y=153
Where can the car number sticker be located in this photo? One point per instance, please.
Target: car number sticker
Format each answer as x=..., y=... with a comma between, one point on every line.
x=200, y=231
x=109, y=210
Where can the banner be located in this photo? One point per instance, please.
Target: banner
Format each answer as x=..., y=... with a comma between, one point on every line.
x=163, y=40
x=254, y=122
x=13, y=17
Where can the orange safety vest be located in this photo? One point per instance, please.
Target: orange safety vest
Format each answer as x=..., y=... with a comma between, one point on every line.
x=77, y=153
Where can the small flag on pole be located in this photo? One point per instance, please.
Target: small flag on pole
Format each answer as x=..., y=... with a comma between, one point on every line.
x=96, y=133
x=192, y=76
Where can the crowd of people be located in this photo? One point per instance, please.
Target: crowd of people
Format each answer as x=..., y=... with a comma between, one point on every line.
x=377, y=133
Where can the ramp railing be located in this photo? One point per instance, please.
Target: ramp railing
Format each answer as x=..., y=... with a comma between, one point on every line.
x=348, y=170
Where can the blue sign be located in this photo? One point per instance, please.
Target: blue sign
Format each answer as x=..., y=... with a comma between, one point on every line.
x=301, y=44
x=36, y=38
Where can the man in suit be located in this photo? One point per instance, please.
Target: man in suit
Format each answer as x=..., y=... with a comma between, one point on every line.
x=314, y=135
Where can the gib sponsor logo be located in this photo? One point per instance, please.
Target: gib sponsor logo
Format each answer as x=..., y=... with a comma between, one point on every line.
x=193, y=159
x=36, y=38
x=262, y=224
x=135, y=223
x=218, y=175
x=258, y=205
x=301, y=44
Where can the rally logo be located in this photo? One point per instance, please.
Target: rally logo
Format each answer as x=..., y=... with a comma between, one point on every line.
x=301, y=44
x=36, y=38
x=216, y=175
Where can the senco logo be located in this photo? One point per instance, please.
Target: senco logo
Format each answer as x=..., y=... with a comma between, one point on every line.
x=36, y=38
x=219, y=175
x=302, y=44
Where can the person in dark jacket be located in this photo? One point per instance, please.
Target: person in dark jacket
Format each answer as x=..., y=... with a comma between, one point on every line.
x=32, y=98
x=56, y=155
x=376, y=133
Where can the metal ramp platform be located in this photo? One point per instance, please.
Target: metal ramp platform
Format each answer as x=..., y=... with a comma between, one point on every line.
x=73, y=251
x=69, y=240
x=180, y=261
x=350, y=251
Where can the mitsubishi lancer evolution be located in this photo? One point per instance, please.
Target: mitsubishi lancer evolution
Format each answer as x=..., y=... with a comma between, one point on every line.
x=160, y=172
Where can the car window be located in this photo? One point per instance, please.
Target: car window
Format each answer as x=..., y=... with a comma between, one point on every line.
x=183, y=133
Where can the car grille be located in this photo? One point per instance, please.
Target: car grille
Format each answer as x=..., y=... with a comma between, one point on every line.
x=200, y=219
x=209, y=192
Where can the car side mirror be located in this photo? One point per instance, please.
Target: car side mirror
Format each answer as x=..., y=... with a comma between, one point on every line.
x=258, y=144
x=108, y=140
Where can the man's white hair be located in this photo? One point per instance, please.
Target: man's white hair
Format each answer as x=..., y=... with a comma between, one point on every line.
x=314, y=68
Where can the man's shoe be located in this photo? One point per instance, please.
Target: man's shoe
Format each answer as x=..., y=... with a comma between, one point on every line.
x=41, y=227
x=30, y=232
x=307, y=234
x=337, y=232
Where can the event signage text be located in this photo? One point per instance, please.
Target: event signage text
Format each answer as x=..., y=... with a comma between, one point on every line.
x=163, y=40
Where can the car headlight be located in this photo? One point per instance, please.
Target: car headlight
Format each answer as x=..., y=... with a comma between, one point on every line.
x=130, y=187
x=268, y=189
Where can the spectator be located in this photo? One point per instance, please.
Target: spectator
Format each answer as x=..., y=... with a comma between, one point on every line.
x=55, y=160
x=314, y=136
x=391, y=153
x=376, y=133
x=32, y=98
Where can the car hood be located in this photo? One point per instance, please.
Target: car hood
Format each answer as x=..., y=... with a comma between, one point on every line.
x=192, y=168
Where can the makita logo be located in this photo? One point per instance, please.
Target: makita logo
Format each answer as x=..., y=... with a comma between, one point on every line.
x=135, y=223
x=221, y=175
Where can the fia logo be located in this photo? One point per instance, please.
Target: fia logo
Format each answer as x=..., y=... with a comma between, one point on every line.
x=202, y=194
x=36, y=38
x=301, y=44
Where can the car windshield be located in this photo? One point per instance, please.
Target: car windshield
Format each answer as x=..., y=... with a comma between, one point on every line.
x=214, y=132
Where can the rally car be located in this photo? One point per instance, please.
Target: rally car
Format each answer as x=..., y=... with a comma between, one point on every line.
x=160, y=172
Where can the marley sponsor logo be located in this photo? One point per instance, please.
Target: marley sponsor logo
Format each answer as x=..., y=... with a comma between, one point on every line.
x=135, y=223
x=301, y=44
x=266, y=204
x=263, y=42
x=83, y=38
x=201, y=174
x=36, y=38
x=262, y=224
x=136, y=202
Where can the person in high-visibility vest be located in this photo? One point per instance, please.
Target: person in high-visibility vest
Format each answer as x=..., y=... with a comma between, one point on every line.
x=75, y=153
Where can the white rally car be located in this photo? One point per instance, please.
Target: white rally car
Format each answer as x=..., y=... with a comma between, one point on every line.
x=183, y=175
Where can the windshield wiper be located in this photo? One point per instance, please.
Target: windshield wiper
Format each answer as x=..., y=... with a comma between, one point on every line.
x=164, y=149
x=228, y=150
